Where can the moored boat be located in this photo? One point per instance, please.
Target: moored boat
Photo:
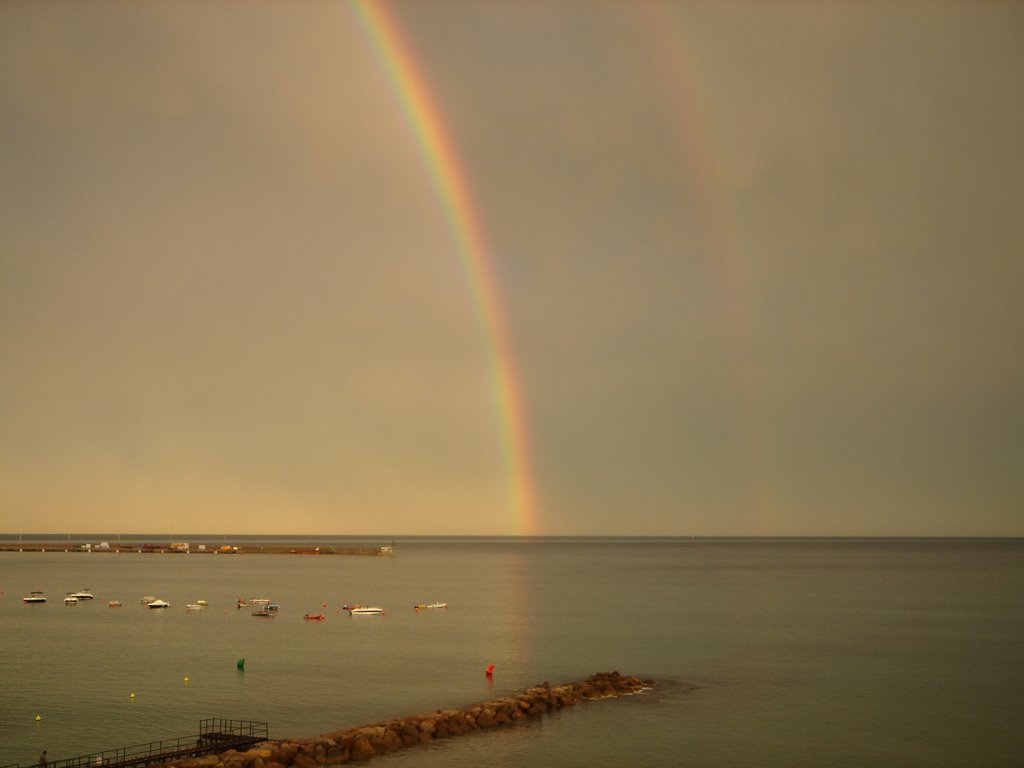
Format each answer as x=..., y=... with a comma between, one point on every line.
x=268, y=609
x=70, y=599
x=82, y=594
x=430, y=605
x=315, y=616
x=365, y=610
x=114, y=604
x=36, y=596
x=158, y=604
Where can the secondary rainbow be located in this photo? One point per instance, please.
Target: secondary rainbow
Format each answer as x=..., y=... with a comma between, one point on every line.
x=700, y=157
x=464, y=221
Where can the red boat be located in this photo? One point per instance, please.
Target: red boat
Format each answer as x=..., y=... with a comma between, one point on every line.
x=317, y=616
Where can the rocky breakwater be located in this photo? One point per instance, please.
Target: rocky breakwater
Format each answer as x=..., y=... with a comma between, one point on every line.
x=364, y=742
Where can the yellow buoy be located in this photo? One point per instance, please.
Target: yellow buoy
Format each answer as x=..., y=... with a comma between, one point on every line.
x=186, y=678
x=38, y=718
x=131, y=695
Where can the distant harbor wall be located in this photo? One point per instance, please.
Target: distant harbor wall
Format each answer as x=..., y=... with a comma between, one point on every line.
x=364, y=742
x=175, y=549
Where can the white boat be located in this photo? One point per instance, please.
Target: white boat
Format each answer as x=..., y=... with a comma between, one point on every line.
x=431, y=605
x=36, y=596
x=70, y=600
x=114, y=603
x=148, y=599
x=365, y=610
x=193, y=607
x=82, y=594
x=158, y=604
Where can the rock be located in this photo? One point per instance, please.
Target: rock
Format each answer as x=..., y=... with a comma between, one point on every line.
x=486, y=718
x=285, y=754
x=361, y=748
x=337, y=755
x=391, y=740
x=410, y=739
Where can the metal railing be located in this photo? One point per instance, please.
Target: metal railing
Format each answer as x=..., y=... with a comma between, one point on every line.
x=215, y=735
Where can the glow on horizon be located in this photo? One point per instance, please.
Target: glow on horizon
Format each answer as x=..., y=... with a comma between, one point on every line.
x=464, y=221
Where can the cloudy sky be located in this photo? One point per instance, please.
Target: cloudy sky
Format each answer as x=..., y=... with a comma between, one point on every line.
x=761, y=266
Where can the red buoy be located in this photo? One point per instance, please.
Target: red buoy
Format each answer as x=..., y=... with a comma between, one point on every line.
x=490, y=670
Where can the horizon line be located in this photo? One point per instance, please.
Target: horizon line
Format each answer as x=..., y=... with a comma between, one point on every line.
x=9, y=536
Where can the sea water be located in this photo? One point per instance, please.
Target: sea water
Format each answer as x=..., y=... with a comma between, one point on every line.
x=765, y=652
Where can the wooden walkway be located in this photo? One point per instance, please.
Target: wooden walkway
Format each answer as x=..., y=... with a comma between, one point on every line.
x=215, y=735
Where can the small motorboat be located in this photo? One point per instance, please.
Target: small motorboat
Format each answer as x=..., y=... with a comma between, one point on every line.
x=36, y=596
x=365, y=610
x=158, y=604
x=70, y=599
x=314, y=617
x=114, y=604
x=193, y=607
x=202, y=603
x=269, y=609
x=82, y=594
x=431, y=605
x=148, y=599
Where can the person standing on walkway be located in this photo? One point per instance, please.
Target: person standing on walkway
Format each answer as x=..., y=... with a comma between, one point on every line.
x=42, y=760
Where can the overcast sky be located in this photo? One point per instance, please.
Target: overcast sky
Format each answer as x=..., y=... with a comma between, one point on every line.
x=761, y=264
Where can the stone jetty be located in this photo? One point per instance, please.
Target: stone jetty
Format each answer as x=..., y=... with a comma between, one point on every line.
x=361, y=743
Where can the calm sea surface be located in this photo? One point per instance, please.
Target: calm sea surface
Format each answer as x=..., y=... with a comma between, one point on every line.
x=768, y=653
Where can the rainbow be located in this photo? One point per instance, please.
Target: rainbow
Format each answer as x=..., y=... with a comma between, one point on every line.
x=699, y=156
x=464, y=221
